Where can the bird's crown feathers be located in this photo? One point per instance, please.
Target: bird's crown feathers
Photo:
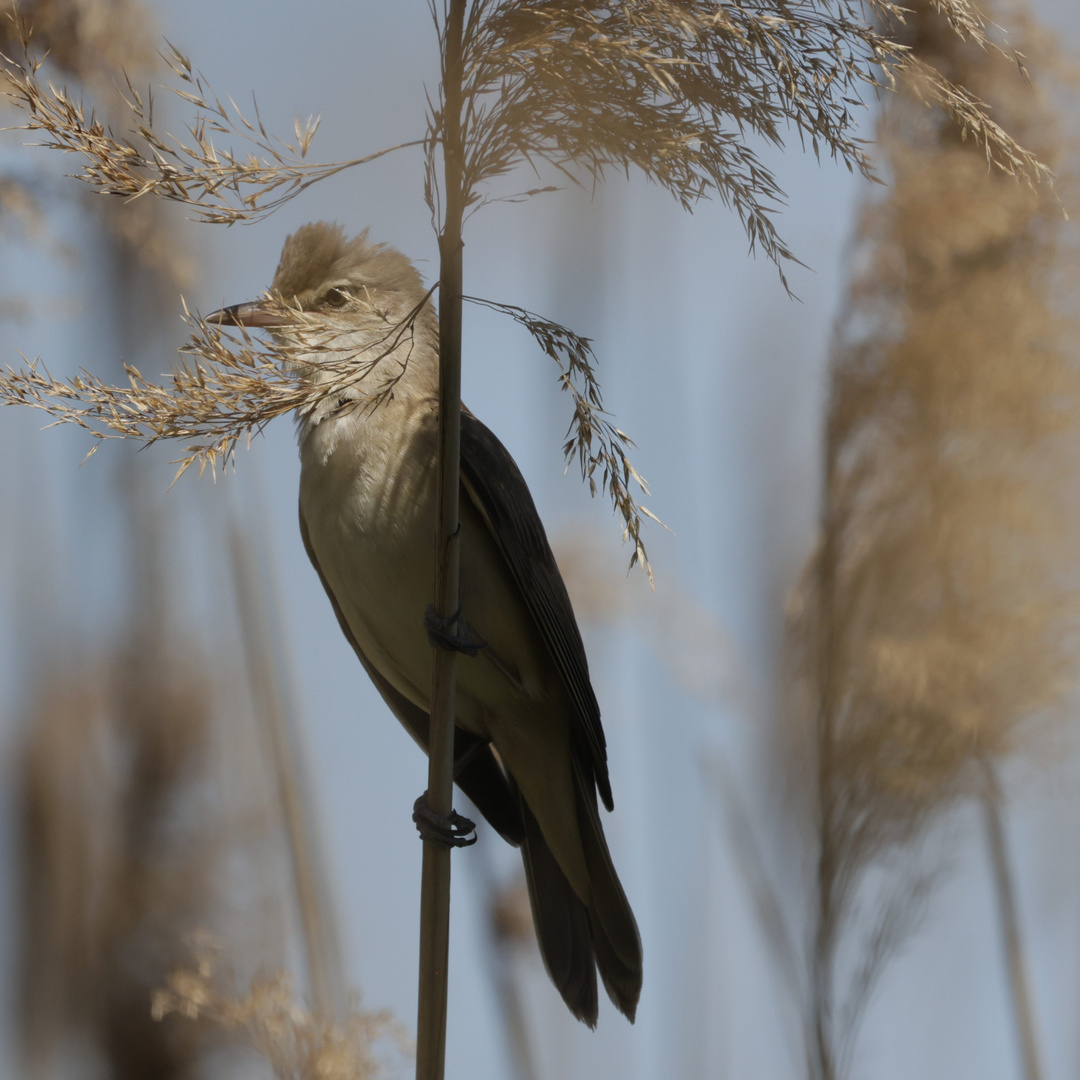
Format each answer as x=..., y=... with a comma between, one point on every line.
x=319, y=254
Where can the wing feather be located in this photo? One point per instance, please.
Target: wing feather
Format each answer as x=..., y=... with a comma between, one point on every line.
x=495, y=486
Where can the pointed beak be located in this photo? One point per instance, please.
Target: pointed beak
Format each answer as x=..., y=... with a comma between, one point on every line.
x=249, y=314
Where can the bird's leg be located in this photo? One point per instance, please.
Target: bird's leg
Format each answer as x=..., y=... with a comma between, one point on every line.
x=447, y=830
x=453, y=633
x=452, y=831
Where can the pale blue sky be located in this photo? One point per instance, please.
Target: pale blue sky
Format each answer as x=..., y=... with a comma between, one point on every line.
x=719, y=377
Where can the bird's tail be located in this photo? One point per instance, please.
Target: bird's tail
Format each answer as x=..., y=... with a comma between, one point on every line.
x=577, y=938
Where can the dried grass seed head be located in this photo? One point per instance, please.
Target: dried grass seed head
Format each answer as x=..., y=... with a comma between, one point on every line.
x=670, y=88
x=298, y=1044
x=674, y=88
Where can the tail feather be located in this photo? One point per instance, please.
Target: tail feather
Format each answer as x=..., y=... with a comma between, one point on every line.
x=577, y=939
x=562, y=924
x=622, y=981
x=615, y=934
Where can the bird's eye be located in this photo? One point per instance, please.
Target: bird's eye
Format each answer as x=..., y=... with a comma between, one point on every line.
x=336, y=298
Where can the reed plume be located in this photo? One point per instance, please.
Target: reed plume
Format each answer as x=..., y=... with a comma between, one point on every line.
x=298, y=1044
x=668, y=89
x=115, y=864
x=936, y=621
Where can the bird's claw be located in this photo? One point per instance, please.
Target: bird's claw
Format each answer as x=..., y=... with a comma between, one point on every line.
x=453, y=634
x=447, y=830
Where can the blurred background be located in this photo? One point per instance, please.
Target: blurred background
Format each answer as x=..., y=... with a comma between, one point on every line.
x=841, y=729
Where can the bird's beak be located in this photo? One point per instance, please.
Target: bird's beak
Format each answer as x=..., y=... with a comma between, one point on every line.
x=252, y=313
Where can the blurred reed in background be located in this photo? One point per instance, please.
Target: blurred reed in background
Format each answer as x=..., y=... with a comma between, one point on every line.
x=145, y=807
x=936, y=625
x=117, y=860
x=118, y=865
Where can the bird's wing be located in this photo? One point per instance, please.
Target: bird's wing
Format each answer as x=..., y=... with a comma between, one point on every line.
x=483, y=778
x=495, y=486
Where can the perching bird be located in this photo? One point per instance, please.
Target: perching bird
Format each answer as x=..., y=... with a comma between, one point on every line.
x=528, y=736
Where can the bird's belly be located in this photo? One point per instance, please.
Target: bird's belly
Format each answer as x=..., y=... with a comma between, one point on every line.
x=375, y=544
x=372, y=527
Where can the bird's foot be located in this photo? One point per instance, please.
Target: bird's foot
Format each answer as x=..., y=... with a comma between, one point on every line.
x=453, y=634
x=447, y=830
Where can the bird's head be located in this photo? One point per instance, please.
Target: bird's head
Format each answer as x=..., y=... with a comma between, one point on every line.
x=334, y=299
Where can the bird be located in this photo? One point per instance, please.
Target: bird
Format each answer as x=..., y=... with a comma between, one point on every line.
x=529, y=746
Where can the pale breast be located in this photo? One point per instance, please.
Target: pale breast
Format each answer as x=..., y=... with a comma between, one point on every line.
x=367, y=491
